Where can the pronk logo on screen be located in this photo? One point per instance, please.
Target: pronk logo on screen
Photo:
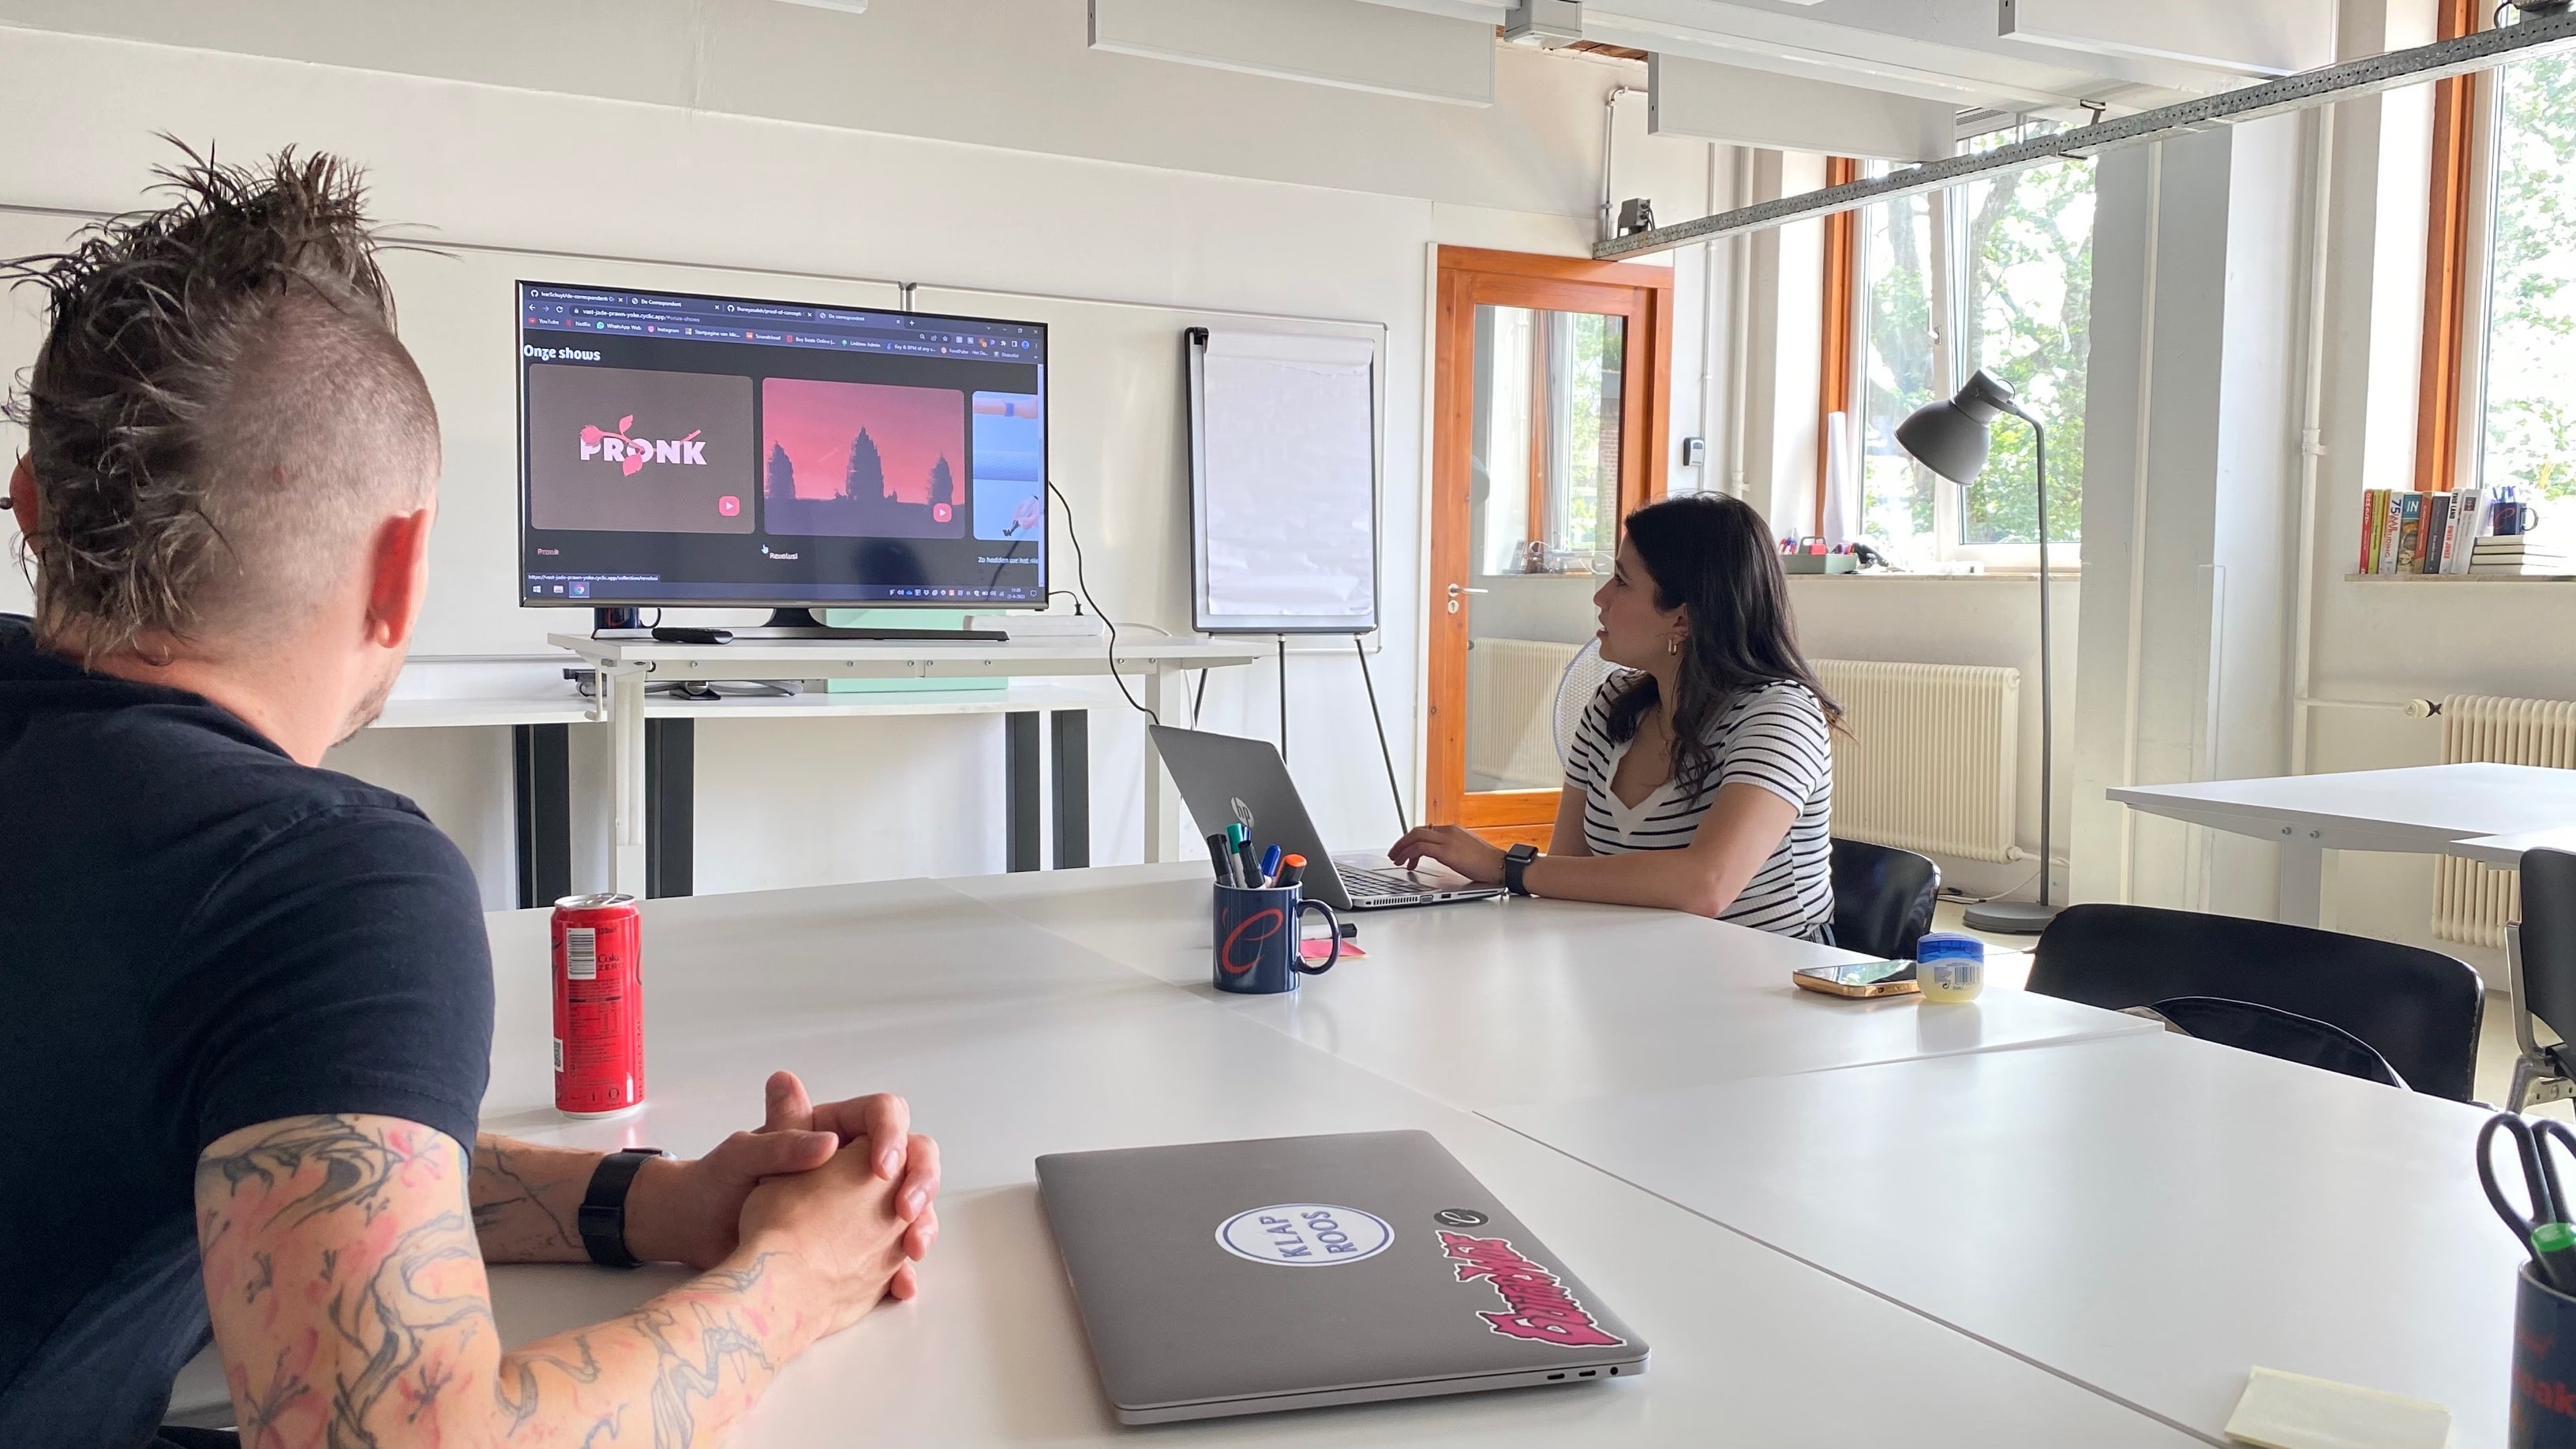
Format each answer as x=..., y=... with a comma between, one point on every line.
x=631, y=454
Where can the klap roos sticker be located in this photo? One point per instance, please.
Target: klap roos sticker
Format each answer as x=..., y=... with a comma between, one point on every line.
x=1305, y=1234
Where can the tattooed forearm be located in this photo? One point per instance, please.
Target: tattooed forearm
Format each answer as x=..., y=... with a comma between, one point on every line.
x=525, y=1197
x=739, y=1280
x=345, y=1279
x=262, y=1408
x=515, y=1387
x=355, y=1167
x=388, y=1320
x=678, y=1378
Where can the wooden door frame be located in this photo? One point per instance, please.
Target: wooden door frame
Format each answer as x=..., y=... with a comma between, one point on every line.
x=1470, y=277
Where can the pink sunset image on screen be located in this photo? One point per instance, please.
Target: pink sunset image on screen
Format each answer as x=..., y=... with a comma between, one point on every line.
x=862, y=459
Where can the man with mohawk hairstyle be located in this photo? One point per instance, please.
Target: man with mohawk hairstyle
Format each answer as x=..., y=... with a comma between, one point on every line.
x=246, y=1003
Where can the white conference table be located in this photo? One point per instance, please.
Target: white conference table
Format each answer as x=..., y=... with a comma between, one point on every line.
x=2504, y=852
x=1012, y=1041
x=2150, y=1216
x=2421, y=809
x=1489, y=1004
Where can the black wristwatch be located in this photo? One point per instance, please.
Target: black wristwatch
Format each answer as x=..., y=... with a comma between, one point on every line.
x=602, y=1218
x=1515, y=861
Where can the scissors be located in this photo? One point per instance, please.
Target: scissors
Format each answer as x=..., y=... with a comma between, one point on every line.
x=2550, y=1251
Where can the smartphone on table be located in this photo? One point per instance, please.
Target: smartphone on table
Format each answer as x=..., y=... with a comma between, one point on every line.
x=1860, y=978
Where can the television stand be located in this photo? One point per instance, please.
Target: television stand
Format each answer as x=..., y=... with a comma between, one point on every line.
x=801, y=624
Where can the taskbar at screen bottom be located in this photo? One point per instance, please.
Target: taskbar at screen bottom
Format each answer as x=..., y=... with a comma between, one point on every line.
x=591, y=592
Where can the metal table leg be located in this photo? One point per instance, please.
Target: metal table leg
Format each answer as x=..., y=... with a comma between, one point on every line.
x=541, y=794
x=670, y=806
x=630, y=871
x=2302, y=888
x=1072, y=731
x=1158, y=801
x=1020, y=782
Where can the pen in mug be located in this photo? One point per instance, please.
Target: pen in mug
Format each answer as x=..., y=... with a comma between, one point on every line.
x=1221, y=858
x=1292, y=869
x=1270, y=867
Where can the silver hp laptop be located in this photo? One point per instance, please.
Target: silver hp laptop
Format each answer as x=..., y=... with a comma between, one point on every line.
x=1246, y=1277
x=1227, y=779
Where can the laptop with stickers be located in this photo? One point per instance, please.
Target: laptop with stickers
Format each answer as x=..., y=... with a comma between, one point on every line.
x=1226, y=1278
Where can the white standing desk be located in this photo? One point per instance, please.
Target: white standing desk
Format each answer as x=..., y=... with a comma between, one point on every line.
x=2422, y=809
x=2504, y=852
x=2151, y=1217
x=1488, y=1003
x=1011, y=1042
x=626, y=666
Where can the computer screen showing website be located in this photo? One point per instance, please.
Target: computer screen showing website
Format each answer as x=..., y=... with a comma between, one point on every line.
x=680, y=449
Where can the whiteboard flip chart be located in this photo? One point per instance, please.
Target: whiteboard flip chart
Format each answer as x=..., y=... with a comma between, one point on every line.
x=1283, y=482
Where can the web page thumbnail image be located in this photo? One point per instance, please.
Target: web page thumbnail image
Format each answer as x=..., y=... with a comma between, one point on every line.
x=861, y=459
x=1010, y=466
x=639, y=452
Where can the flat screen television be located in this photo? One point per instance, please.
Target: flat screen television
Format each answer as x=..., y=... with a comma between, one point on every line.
x=687, y=450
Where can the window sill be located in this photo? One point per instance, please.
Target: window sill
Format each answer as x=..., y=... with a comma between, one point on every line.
x=2460, y=578
x=2057, y=573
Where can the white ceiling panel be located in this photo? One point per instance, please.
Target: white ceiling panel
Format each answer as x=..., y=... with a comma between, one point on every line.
x=1945, y=50
x=1364, y=47
x=1490, y=12
x=2274, y=37
x=1746, y=107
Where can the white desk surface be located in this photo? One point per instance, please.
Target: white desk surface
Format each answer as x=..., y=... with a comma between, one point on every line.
x=2504, y=852
x=2152, y=1216
x=818, y=658
x=2421, y=808
x=1484, y=1004
x=567, y=707
x=1012, y=1042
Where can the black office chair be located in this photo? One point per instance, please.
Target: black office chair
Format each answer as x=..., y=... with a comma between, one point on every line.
x=2418, y=1009
x=2251, y=1026
x=2540, y=958
x=1883, y=898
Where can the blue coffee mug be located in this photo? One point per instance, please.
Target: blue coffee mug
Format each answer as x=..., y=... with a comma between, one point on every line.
x=2544, y=1366
x=1256, y=939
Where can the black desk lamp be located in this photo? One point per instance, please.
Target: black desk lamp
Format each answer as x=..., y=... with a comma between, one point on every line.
x=1950, y=439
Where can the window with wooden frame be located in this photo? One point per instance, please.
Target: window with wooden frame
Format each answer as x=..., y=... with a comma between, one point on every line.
x=1994, y=274
x=2498, y=376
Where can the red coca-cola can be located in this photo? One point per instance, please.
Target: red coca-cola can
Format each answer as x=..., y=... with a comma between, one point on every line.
x=599, y=1005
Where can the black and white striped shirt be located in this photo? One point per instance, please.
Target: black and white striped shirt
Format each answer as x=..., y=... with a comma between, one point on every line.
x=1773, y=737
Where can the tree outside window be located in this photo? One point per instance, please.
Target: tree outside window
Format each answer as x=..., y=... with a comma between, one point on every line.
x=1996, y=274
x=2529, y=436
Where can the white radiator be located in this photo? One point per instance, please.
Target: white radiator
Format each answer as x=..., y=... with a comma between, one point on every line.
x=1925, y=758
x=1511, y=713
x=2471, y=903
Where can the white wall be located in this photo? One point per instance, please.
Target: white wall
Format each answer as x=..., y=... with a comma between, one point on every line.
x=712, y=139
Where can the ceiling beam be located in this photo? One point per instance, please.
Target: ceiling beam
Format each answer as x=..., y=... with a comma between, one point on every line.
x=2345, y=80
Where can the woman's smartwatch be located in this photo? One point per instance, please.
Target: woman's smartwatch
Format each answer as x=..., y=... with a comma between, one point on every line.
x=1515, y=861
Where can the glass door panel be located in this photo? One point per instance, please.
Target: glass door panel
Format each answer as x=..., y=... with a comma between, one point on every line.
x=1544, y=475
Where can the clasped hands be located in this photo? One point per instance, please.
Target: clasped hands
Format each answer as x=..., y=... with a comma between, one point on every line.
x=690, y=1211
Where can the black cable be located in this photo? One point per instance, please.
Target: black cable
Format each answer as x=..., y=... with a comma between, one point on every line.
x=1198, y=699
x=1283, y=697
x=1082, y=581
x=1392, y=790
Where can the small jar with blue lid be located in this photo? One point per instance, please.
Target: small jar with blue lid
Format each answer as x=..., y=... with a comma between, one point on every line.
x=1949, y=966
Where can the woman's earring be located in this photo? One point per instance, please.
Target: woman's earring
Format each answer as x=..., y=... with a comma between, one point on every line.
x=1673, y=645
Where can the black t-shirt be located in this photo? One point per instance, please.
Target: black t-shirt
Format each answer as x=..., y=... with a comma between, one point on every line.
x=197, y=935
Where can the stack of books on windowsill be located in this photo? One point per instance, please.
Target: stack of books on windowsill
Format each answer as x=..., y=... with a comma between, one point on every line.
x=2519, y=555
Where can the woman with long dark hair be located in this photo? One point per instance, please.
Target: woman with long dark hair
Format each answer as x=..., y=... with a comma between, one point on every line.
x=1703, y=774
